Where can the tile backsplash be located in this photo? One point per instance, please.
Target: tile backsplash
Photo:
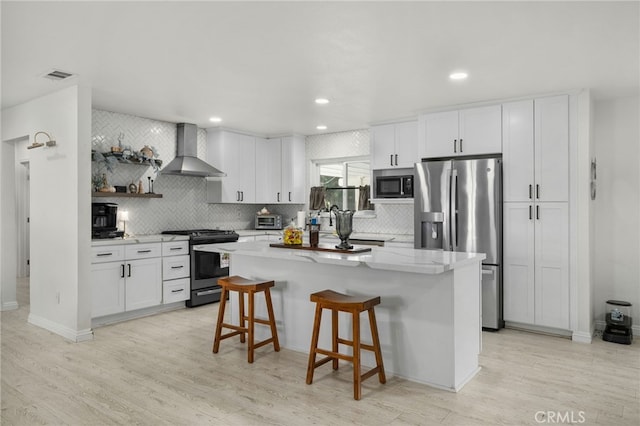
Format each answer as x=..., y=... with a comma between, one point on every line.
x=183, y=205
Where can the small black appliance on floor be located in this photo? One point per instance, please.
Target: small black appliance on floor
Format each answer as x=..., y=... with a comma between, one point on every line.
x=619, y=322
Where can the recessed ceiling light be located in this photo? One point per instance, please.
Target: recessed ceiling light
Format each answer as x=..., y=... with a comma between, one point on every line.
x=322, y=101
x=321, y=127
x=215, y=119
x=458, y=75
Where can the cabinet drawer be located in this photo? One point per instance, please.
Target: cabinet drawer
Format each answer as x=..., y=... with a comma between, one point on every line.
x=142, y=251
x=107, y=254
x=175, y=267
x=175, y=248
x=175, y=290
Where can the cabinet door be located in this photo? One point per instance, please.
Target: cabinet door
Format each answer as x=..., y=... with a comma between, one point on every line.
x=517, y=151
x=480, y=131
x=441, y=134
x=107, y=288
x=246, y=167
x=268, y=171
x=552, y=148
x=406, y=154
x=382, y=146
x=222, y=153
x=293, y=170
x=552, y=265
x=143, y=283
x=518, y=260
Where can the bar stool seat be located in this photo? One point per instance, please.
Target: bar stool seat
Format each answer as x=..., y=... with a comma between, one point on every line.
x=338, y=302
x=250, y=287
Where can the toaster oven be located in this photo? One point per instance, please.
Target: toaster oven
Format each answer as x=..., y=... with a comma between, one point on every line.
x=268, y=221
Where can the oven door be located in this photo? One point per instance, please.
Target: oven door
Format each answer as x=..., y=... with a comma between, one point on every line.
x=207, y=267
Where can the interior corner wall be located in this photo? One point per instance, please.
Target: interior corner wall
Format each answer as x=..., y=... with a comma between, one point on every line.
x=617, y=205
x=60, y=297
x=8, y=226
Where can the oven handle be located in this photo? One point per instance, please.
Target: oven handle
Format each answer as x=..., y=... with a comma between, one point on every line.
x=207, y=292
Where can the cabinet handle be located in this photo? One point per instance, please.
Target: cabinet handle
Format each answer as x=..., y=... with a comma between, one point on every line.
x=177, y=291
x=144, y=251
x=537, y=191
x=129, y=265
x=391, y=159
x=278, y=197
x=530, y=189
x=455, y=150
x=396, y=159
x=122, y=271
x=538, y=212
x=175, y=248
x=289, y=195
x=460, y=145
x=104, y=254
x=177, y=267
x=530, y=213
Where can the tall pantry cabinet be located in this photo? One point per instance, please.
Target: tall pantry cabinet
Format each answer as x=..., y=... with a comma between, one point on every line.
x=536, y=211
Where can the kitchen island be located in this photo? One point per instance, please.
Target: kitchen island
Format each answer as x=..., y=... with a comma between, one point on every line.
x=429, y=319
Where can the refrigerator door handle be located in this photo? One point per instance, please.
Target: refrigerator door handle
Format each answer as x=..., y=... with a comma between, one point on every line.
x=453, y=209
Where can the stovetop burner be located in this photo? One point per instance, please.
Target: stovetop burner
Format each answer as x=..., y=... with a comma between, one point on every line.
x=204, y=236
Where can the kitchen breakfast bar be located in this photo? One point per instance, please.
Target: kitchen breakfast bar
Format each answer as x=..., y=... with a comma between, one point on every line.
x=429, y=319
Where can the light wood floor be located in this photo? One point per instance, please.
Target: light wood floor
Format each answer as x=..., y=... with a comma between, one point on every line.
x=160, y=370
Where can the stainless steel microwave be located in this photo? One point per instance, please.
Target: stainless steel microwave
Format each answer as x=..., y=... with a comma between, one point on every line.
x=394, y=186
x=268, y=221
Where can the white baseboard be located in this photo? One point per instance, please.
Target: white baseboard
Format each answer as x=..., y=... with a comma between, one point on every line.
x=126, y=316
x=582, y=337
x=66, y=332
x=9, y=306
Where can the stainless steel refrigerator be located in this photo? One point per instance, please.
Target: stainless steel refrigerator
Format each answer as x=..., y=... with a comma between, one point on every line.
x=458, y=207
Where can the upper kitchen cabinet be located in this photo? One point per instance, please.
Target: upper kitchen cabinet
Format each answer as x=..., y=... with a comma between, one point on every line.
x=280, y=170
x=536, y=149
x=394, y=145
x=234, y=154
x=472, y=131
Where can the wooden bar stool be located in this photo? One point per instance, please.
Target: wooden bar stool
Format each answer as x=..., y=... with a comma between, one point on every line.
x=250, y=287
x=354, y=305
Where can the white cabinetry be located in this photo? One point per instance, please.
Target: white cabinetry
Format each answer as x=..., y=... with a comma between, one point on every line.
x=536, y=264
x=470, y=131
x=175, y=271
x=280, y=170
x=536, y=149
x=234, y=154
x=125, y=278
x=394, y=145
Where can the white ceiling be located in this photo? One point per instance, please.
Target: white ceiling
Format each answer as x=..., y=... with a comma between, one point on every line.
x=259, y=66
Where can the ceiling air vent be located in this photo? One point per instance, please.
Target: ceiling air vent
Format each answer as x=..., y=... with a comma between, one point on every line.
x=57, y=75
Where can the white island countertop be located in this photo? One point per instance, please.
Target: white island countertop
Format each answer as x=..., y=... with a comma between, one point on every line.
x=383, y=258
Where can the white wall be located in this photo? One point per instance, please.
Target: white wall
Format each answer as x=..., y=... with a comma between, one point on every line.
x=617, y=204
x=60, y=296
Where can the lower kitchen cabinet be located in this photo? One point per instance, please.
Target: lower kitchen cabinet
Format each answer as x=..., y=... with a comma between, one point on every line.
x=107, y=282
x=176, y=270
x=125, y=278
x=536, y=264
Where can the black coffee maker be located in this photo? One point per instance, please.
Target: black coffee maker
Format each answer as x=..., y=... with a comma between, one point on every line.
x=104, y=221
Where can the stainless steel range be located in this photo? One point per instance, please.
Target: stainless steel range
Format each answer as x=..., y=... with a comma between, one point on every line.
x=206, y=267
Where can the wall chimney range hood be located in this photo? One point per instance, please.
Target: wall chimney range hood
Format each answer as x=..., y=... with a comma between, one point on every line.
x=187, y=162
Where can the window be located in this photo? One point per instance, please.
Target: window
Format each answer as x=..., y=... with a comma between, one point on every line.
x=344, y=180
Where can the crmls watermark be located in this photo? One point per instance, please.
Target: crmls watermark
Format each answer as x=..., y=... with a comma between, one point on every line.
x=559, y=417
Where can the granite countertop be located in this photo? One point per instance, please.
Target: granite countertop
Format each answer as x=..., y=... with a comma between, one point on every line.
x=330, y=233
x=383, y=258
x=138, y=239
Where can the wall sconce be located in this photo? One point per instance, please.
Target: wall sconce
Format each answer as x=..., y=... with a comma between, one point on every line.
x=37, y=144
